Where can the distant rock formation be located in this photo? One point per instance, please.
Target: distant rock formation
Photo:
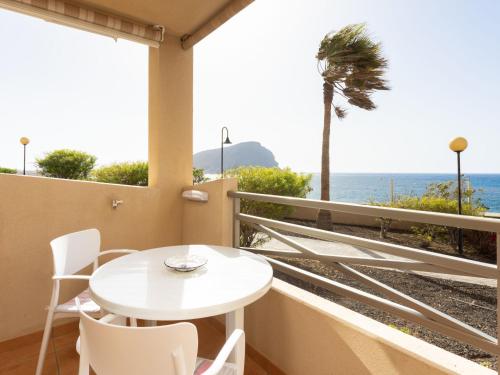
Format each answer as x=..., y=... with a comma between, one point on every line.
x=241, y=154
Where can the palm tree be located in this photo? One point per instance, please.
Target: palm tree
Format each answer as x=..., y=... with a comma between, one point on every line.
x=352, y=66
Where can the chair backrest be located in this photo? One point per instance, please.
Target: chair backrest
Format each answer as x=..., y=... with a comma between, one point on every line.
x=121, y=350
x=75, y=251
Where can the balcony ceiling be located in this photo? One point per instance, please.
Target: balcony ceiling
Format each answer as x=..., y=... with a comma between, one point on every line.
x=179, y=17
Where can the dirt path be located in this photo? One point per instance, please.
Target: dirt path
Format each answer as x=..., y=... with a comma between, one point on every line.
x=406, y=238
x=337, y=248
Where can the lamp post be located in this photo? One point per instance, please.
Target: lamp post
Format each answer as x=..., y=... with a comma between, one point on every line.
x=222, y=143
x=24, y=141
x=459, y=145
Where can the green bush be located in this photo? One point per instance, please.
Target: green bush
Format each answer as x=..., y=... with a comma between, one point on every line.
x=127, y=173
x=442, y=197
x=70, y=164
x=403, y=329
x=134, y=173
x=8, y=170
x=199, y=176
x=274, y=181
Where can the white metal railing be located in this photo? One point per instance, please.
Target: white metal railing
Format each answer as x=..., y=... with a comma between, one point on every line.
x=397, y=303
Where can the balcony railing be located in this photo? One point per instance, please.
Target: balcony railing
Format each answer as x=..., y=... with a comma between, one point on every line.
x=397, y=303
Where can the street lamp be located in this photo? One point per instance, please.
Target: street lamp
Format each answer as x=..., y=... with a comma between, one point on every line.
x=459, y=145
x=24, y=141
x=222, y=143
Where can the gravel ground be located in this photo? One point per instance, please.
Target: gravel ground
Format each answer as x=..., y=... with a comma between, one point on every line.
x=470, y=303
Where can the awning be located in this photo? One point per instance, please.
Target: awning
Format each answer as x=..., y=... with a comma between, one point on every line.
x=84, y=18
x=232, y=8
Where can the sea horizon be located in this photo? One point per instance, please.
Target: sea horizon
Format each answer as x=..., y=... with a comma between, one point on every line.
x=408, y=173
x=375, y=186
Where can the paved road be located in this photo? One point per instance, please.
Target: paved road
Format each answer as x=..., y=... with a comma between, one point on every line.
x=337, y=248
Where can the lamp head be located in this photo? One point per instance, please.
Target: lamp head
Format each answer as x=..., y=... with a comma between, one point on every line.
x=458, y=144
x=227, y=141
x=24, y=141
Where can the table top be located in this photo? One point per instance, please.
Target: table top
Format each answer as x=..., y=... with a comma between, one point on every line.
x=139, y=285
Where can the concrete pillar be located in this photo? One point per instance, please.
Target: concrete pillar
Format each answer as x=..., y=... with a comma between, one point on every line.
x=170, y=115
x=170, y=131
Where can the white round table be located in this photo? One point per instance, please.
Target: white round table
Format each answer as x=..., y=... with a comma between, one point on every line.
x=139, y=285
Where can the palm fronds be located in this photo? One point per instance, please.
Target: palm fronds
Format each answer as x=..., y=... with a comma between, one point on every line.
x=351, y=62
x=340, y=112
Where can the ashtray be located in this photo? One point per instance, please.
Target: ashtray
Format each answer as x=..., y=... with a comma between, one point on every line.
x=185, y=263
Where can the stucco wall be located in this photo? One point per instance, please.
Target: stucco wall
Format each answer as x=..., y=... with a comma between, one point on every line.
x=35, y=210
x=210, y=222
x=302, y=333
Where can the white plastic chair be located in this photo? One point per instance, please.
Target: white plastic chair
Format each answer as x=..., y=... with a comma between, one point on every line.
x=163, y=350
x=71, y=253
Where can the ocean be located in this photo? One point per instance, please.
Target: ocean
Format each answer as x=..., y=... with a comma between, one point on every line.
x=363, y=187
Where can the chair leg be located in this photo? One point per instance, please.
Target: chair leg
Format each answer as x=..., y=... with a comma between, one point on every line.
x=84, y=365
x=235, y=319
x=45, y=342
x=77, y=345
x=133, y=322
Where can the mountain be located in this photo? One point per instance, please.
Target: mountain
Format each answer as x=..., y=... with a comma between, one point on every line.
x=241, y=154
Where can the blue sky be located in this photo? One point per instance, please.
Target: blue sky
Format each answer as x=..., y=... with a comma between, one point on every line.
x=257, y=75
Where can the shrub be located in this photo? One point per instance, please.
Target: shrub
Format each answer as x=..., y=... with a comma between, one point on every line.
x=70, y=164
x=199, y=176
x=487, y=364
x=403, y=329
x=134, y=173
x=8, y=170
x=385, y=225
x=274, y=181
x=127, y=173
x=442, y=197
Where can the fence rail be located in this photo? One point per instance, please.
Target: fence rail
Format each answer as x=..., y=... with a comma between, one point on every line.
x=425, y=217
x=397, y=303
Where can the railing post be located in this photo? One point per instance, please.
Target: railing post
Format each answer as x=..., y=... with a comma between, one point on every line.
x=236, y=223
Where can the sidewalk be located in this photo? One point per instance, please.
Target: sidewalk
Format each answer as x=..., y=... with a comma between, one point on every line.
x=337, y=248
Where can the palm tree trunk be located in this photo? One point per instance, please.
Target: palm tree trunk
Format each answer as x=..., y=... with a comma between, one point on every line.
x=324, y=220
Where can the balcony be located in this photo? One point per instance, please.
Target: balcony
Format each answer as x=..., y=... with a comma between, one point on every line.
x=290, y=330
